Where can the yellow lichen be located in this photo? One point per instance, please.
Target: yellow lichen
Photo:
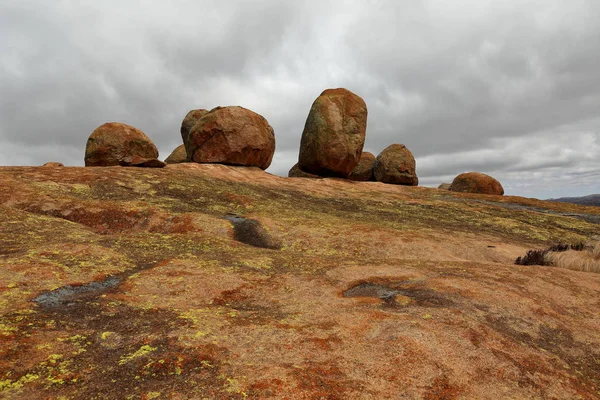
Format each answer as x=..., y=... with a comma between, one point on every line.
x=142, y=351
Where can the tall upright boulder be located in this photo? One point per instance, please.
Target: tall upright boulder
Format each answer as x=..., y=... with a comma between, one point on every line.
x=364, y=170
x=115, y=143
x=190, y=120
x=334, y=134
x=476, y=182
x=231, y=135
x=396, y=165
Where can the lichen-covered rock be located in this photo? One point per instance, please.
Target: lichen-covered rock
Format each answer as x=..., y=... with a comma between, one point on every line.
x=476, y=182
x=190, y=120
x=444, y=186
x=364, y=170
x=115, y=143
x=296, y=172
x=53, y=164
x=396, y=165
x=334, y=134
x=177, y=156
x=231, y=135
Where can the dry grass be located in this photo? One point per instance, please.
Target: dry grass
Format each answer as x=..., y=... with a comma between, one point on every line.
x=587, y=260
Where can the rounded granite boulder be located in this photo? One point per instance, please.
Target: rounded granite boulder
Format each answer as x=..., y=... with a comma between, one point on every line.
x=476, y=182
x=296, y=172
x=231, y=135
x=364, y=170
x=190, y=120
x=177, y=156
x=334, y=134
x=396, y=165
x=115, y=143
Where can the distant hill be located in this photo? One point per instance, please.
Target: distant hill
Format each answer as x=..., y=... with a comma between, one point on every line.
x=591, y=200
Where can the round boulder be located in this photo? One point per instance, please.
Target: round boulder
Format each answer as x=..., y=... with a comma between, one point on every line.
x=231, y=135
x=115, y=143
x=396, y=165
x=334, y=134
x=476, y=182
x=296, y=172
x=190, y=120
x=444, y=186
x=177, y=156
x=364, y=170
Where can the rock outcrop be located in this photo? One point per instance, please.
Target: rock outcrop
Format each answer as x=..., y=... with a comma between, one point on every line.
x=296, y=172
x=231, y=135
x=115, y=143
x=476, y=182
x=190, y=120
x=396, y=165
x=177, y=156
x=364, y=170
x=334, y=134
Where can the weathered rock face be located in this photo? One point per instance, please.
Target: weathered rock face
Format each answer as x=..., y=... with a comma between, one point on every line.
x=334, y=134
x=177, y=156
x=444, y=186
x=115, y=143
x=364, y=170
x=53, y=164
x=296, y=172
x=396, y=165
x=476, y=182
x=231, y=135
x=190, y=120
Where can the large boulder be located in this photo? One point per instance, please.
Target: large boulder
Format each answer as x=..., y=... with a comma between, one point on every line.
x=190, y=120
x=396, y=165
x=364, y=170
x=334, y=134
x=296, y=172
x=476, y=182
x=231, y=135
x=177, y=156
x=115, y=143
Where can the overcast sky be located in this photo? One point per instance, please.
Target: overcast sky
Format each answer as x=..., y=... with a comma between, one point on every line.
x=506, y=87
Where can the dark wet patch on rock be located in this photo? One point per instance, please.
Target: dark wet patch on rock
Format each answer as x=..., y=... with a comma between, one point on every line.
x=388, y=291
x=69, y=293
x=251, y=232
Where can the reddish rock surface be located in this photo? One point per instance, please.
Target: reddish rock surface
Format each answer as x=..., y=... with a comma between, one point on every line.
x=136, y=283
x=296, y=172
x=190, y=120
x=115, y=143
x=364, y=170
x=396, y=165
x=177, y=156
x=334, y=134
x=232, y=135
x=476, y=182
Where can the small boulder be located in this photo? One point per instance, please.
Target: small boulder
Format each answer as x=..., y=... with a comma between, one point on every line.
x=444, y=186
x=115, y=143
x=177, y=156
x=53, y=164
x=334, y=134
x=296, y=172
x=396, y=165
x=190, y=120
x=231, y=135
x=476, y=182
x=364, y=170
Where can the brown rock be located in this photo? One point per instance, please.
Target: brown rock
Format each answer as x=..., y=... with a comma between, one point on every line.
x=232, y=135
x=364, y=169
x=445, y=186
x=190, y=120
x=396, y=165
x=296, y=172
x=177, y=156
x=115, y=143
x=334, y=134
x=476, y=182
x=53, y=164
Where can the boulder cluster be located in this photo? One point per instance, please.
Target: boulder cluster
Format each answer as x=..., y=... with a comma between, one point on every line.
x=333, y=140
x=331, y=146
